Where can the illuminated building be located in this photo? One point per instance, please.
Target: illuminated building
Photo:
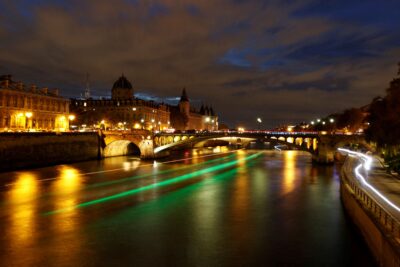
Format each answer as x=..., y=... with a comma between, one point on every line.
x=185, y=117
x=122, y=111
x=31, y=108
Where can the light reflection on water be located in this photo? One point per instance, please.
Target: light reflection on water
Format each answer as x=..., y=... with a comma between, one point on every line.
x=243, y=215
x=23, y=215
x=289, y=172
x=67, y=188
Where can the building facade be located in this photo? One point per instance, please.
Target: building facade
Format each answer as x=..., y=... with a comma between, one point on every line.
x=24, y=108
x=122, y=111
x=186, y=117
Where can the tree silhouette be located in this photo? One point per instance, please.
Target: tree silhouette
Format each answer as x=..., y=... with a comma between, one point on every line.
x=384, y=118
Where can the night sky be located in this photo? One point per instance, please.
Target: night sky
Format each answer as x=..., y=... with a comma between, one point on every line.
x=284, y=61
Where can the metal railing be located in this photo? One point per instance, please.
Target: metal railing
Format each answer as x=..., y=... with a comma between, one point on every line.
x=369, y=204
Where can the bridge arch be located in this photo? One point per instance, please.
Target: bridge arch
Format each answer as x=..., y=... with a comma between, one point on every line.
x=121, y=148
x=298, y=141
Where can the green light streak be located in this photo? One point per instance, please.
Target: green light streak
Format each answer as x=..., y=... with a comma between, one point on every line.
x=127, y=179
x=158, y=173
x=156, y=185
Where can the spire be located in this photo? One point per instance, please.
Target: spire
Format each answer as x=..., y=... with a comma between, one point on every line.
x=212, y=111
x=206, y=111
x=184, y=96
x=202, y=110
x=87, y=89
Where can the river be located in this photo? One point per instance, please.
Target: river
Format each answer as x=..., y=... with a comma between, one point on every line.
x=207, y=207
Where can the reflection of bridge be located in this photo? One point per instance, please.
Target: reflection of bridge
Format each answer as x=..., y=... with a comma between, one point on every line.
x=322, y=147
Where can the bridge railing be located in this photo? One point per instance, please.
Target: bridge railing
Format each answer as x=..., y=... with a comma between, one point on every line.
x=369, y=204
x=227, y=133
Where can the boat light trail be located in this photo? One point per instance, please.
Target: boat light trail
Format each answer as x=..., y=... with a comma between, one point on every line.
x=367, y=165
x=100, y=184
x=156, y=185
x=140, y=166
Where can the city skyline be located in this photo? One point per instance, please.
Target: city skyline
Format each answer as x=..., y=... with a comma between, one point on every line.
x=282, y=61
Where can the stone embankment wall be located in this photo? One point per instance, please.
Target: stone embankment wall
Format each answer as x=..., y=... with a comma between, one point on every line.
x=372, y=221
x=23, y=150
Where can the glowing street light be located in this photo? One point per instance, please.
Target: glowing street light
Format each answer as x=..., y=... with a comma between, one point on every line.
x=331, y=120
x=259, y=120
x=71, y=117
x=28, y=115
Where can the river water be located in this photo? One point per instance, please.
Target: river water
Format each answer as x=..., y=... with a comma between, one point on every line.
x=208, y=207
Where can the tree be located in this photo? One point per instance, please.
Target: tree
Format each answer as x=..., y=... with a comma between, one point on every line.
x=351, y=119
x=384, y=116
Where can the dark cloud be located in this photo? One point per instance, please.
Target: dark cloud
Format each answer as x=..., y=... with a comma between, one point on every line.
x=282, y=60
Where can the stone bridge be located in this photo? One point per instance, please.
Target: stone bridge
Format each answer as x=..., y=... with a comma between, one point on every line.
x=148, y=145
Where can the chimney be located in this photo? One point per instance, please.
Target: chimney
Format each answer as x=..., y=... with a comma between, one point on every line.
x=20, y=86
x=55, y=91
x=5, y=80
x=33, y=88
x=6, y=83
x=45, y=90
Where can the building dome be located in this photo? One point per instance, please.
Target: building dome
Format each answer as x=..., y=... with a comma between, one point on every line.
x=122, y=89
x=122, y=83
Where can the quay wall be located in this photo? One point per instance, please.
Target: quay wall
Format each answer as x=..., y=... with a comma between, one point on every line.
x=25, y=150
x=378, y=229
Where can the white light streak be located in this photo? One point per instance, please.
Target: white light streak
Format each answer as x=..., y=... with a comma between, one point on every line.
x=367, y=165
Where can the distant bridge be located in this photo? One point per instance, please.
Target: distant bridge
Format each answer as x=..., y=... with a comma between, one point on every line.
x=148, y=145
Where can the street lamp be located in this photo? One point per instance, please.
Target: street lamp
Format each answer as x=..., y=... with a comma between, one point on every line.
x=142, y=123
x=259, y=123
x=28, y=115
x=71, y=118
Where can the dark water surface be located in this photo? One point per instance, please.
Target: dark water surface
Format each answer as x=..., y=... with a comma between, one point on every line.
x=242, y=208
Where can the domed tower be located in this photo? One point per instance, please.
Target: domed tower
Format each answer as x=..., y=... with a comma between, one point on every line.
x=184, y=105
x=122, y=89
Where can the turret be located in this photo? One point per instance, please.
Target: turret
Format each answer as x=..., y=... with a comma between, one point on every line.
x=184, y=105
x=202, y=110
x=212, y=113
